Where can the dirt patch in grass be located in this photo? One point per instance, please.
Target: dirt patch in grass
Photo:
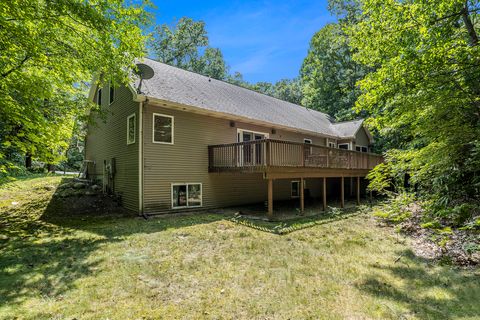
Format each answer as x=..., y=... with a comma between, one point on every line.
x=458, y=246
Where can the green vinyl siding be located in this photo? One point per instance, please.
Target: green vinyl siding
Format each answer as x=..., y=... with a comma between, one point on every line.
x=107, y=138
x=186, y=161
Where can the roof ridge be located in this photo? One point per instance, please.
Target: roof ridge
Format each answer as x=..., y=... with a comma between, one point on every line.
x=359, y=119
x=241, y=87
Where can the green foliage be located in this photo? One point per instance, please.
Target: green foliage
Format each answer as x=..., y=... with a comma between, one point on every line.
x=424, y=97
x=185, y=45
x=285, y=89
x=396, y=208
x=456, y=215
x=329, y=74
x=50, y=50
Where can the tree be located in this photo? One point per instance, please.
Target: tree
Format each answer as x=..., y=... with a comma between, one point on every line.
x=425, y=92
x=288, y=90
x=329, y=74
x=49, y=52
x=211, y=64
x=182, y=45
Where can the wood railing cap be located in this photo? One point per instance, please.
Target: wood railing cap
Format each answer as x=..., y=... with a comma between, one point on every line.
x=292, y=143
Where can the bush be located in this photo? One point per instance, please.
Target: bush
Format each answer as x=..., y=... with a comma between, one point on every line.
x=396, y=208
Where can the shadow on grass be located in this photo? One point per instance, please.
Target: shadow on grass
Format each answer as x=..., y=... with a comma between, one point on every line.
x=45, y=245
x=290, y=225
x=427, y=291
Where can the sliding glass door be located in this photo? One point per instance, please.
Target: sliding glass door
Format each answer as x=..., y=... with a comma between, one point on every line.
x=251, y=154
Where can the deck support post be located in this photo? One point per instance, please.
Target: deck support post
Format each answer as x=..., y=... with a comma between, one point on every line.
x=270, y=198
x=324, y=194
x=342, y=193
x=302, y=197
x=358, y=190
x=351, y=187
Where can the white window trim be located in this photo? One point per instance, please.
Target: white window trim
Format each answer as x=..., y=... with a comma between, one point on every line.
x=239, y=131
x=186, y=184
x=134, y=127
x=360, y=146
x=291, y=188
x=153, y=128
x=309, y=141
x=333, y=142
x=342, y=144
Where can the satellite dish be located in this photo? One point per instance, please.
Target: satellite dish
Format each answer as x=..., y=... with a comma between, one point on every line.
x=144, y=72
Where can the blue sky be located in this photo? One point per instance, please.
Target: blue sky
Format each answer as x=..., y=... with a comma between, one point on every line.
x=263, y=40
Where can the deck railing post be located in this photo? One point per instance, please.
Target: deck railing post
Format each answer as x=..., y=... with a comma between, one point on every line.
x=303, y=155
x=342, y=192
x=267, y=147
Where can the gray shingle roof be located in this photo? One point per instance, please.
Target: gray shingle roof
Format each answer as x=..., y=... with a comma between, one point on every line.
x=348, y=128
x=192, y=89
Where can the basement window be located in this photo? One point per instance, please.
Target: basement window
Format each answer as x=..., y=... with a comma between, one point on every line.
x=186, y=195
x=163, y=126
x=131, y=129
x=295, y=189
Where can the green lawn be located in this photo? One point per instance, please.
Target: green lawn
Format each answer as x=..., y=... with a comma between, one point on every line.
x=60, y=265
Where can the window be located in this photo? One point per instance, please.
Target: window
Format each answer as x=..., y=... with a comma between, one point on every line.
x=309, y=141
x=361, y=148
x=162, y=128
x=295, y=189
x=332, y=144
x=345, y=146
x=99, y=97
x=131, y=129
x=112, y=93
x=186, y=195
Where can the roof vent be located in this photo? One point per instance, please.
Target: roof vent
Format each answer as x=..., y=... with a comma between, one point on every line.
x=144, y=72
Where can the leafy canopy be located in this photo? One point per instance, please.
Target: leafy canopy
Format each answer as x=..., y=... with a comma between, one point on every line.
x=185, y=45
x=424, y=96
x=329, y=74
x=49, y=51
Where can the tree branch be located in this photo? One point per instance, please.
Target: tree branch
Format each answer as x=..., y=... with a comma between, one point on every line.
x=5, y=74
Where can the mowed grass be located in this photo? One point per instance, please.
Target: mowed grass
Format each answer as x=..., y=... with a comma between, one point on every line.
x=56, y=265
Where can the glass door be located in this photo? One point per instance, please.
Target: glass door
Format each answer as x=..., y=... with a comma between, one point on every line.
x=251, y=154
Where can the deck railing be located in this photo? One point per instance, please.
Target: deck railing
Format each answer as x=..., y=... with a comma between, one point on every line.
x=260, y=154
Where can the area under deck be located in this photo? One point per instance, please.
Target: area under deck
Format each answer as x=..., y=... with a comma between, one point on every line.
x=277, y=159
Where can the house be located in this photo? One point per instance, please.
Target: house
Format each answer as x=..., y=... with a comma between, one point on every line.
x=176, y=140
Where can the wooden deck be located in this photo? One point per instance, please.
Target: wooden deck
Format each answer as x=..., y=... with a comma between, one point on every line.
x=278, y=159
x=273, y=157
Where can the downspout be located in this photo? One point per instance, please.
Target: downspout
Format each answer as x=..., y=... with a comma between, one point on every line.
x=141, y=100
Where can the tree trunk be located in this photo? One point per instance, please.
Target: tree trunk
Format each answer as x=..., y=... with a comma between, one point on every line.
x=28, y=161
x=469, y=25
x=50, y=167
